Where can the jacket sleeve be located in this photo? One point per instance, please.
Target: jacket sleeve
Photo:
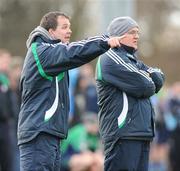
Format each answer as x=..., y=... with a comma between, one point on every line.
x=61, y=57
x=155, y=73
x=124, y=76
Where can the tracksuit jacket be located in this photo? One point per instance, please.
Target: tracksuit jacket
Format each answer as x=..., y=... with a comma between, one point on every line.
x=124, y=86
x=44, y=84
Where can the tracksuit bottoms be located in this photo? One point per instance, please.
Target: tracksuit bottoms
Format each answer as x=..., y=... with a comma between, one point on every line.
x=128, y=155
x=40, y=154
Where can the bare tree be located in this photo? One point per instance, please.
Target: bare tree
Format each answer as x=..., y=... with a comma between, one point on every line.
x=160, y=39
x=18, y=18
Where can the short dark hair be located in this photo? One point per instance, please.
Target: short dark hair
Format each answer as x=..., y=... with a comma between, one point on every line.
x=49, y=20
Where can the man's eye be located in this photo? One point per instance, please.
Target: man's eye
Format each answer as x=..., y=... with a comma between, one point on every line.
x=134, y=32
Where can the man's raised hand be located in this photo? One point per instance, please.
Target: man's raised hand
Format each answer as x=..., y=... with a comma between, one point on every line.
x=115, y=41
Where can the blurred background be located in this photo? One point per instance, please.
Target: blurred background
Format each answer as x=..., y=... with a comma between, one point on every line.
x=159, y=22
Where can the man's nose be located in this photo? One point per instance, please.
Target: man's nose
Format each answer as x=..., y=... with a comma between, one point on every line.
x=70, y=31
x=136, y=36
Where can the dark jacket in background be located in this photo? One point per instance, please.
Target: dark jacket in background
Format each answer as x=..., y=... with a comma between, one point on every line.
x=6, y=116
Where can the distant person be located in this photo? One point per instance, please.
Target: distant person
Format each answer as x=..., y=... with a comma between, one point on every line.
x=73, y=78
x=43, y=117
x=124, y=86
x=14, y=76
x=6, y=150
x=172, y=115
x=82, y=149
x=90, y=92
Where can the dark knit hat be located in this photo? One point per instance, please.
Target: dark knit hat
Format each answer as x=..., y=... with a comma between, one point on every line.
x=120, y=26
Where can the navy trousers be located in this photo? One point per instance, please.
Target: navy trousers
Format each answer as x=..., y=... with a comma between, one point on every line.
x=128, y=155
x=40, y=154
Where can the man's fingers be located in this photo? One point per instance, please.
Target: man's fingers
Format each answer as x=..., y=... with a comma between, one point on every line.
x=122, y=37
x=116, y=41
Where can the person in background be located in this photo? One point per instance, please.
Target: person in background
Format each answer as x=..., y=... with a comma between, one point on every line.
x=73, y=78
x=85, y=95
x=6, y=150
x=125, y=85
x=90, y=94
x=14, y=77
x=82, y=150
x=172, y=121
x=43, y=117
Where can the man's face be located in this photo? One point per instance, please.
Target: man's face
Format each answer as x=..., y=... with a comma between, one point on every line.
x=5, y=60
x=131, y=38
x=63, y=30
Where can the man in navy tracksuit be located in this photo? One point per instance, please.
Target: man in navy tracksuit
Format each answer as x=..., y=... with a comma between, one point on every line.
x=43, y=117
x=124, y=85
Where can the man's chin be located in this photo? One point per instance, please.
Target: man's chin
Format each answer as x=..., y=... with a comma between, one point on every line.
x=135, y=47
x=65, y=41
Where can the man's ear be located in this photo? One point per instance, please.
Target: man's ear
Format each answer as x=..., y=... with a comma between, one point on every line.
x=51, y=32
